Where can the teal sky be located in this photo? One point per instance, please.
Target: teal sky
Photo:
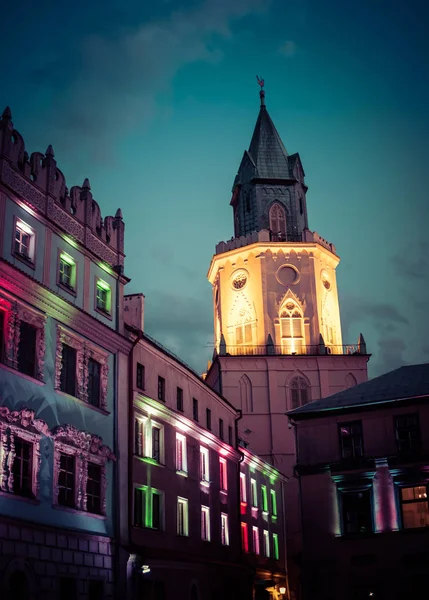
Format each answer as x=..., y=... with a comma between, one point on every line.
x=155, y=103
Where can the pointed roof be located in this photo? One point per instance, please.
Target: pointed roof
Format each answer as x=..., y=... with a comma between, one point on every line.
x=267, y=149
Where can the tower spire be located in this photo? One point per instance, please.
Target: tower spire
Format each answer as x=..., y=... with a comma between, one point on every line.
x=261, y=84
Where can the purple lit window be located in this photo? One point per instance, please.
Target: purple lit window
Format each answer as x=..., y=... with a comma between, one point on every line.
x=351, y=439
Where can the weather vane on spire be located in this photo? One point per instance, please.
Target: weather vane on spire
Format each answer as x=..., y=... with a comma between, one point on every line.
x=261, y=84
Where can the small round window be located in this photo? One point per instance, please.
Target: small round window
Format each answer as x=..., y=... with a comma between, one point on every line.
x=325, y=280
x=239, y=279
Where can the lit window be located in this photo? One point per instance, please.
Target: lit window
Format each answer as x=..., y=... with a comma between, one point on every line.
x=407, y=433
x=204, y=465
x=223, y=474
x=103, y=297
x=415, y=508
x=67, y=271
x=299, y=392
x=24, y=242
x=276, y=546
x=243, y=491
x=161, y=389
x=266, y=543
x=182, y=517
x=351, y=439
x=254, y=491
x=148, y=508
x=148, y=439
x=264, y=498
x=181, y=455
x=205, y=523
x=255, y=540
x=224, y=530
x=356, y=512
x=243, y=334
x=244, y=537
x=273, y=503
x=291, y=328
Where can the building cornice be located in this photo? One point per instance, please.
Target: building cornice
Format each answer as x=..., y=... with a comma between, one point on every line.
x=268, y=470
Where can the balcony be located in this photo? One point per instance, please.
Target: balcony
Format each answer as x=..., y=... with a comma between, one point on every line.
x=299, y=350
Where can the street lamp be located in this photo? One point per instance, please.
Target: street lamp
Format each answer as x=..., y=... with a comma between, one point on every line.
x=282, y=590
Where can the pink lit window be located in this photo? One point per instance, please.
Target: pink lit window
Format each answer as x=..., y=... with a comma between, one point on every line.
x=223, y=474
x=255, y=540
x=243, y=494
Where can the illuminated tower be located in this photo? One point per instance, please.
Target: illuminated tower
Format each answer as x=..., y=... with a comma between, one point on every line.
x=278, y=340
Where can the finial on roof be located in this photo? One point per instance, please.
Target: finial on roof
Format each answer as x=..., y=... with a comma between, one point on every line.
x=49, y=151
x=261, y=84
x=7, y=113
x=118, y=214
x=85, y=185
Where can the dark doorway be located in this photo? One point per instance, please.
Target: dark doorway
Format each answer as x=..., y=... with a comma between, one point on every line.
x=18, y=586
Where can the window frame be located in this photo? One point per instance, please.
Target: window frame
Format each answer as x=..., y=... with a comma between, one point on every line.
x=256, y=540
x=243, y=488
x=195, y=414
x=140, y=376
x=341, y=438
x=106, y=287
x=179, y=399
x=183, y=467
x=221, y=429
x=147, y=507
x=254, y=493
x=161, y=389
x=413, y=485
x=224, y=529
x=417, y=442
x=276, y=552
x=205, y=524
x=297, y=385
x=63, y=256
x=143, y=430
x=273, y=497
x=223, y=474
x=347, y=492
x=185, y=504
x=204, y=466
x=209, y=419
x=244, y=536
x=264, y=498
x=21, y=225
x=266, y=538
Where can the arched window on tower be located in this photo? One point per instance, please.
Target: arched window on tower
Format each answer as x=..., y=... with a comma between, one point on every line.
x=350, y=380
x=292, y=329
x=299, y=392
x=278, y=221
x=246, y=394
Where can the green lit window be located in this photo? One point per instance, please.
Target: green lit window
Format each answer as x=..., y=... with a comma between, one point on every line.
x=264, y=498
x=182, y=517
x=254, y=491
x=276, y=546
x=148, y=507
x=103, y=297
x=273, y=503
x=67, y=271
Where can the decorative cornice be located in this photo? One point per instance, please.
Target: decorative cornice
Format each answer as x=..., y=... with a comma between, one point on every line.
x=24, y=418
x=93, y=444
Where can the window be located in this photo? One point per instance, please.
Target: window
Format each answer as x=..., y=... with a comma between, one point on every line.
x=266, y=544
x=278, y=221
x=255, y=540
x=351, y=439
x=299, y=392
x=415, y=508
x=224, y=529
x=180, y=399
x=221, y=429
x=66, y=480
x=356, y=512
x=94, y=371
x=182, y=517
x=93, y=489
x=244, y=537
x=67, y=272
x=276, y=546
x=161, y=389
x=291, y=328
x=148, y=508
x=22, y=467
x=205, y=523
x=181, y=457
x=243, y=334
x=246, y=394
x=264, y=498
x=27, y=349
x=68, y=370
x=148, y=439
x=195, y=409
x=24, y=243
x=140, y=378
x=273, y=503
x=204, y=465
x=407, y=433
x=243, y=491
x=209, y=418
x=223, y=474
x=254, y=492
x=103, y=299
x=230, y=439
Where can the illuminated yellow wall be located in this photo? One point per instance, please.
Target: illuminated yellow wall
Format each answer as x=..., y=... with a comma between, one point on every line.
x=252, y=283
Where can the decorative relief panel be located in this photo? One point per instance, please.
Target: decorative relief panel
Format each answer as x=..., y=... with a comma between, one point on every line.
x=23, y=188
x=67, y=222
x=100, y=249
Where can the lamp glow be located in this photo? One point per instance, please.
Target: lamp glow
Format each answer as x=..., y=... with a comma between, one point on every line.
x=282, y=590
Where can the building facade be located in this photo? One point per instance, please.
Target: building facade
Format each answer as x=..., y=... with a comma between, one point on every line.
x=362, y=466
x=62, y=371
x=278, y=340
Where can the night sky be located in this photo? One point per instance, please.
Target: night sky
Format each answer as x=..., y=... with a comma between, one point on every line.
x=156, y=102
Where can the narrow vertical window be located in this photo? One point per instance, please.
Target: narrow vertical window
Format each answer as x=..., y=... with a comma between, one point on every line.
x=22, y=468
x=67, y=272
x=27, y=349
x=244, y=537
x=24, y=243
x=300, y=392
x=224, y=530
x=351, y=439
x=103, y=298
x=291, y=328
x=223, y=474
x=204, y=465
x=209, y=418
x=230, y=439
x=264, y=498
x=93, y=488
x=66, y=481
x=156, y=510
x=273, y=503
x=255, y=540
x=266, y=544
x=161, y=389
x=221, y=429
x=140, y=378
x=277, y=217
x=276, y=546
x=407, y=430
x=139, y=500
x=181, y=458
x=138, y=437
x=68, y=370
x=182, y=517
x=205, y=523
x=179, y=399
x=94, y=370
x=243, y=491
x=156, y=447
x=195, y=409
x=254, y=491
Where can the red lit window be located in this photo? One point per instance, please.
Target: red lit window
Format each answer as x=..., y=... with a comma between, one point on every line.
x=244, y=537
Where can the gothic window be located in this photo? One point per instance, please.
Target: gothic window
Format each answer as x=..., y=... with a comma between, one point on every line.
x=350, y=380
x=278, y=221
x=291, y=328
x=80, y=470
x=299, y=392
x=246, y=394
